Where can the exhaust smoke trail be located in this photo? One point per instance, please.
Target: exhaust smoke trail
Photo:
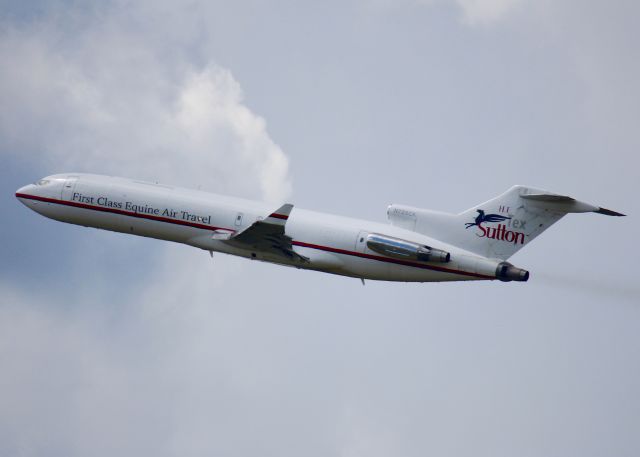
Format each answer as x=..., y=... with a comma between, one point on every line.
x=591, y=285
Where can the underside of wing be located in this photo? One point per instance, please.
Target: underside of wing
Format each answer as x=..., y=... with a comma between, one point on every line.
x=268, y=236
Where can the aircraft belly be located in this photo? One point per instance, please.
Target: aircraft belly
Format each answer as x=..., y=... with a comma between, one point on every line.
x=413, y=274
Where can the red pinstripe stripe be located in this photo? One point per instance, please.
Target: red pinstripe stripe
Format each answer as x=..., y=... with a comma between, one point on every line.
x=279, y=216
x=122, y=212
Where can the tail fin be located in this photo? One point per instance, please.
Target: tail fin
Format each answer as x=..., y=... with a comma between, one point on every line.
x=499, y=227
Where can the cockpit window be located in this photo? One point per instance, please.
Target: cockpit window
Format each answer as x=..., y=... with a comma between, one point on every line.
x=42, y=182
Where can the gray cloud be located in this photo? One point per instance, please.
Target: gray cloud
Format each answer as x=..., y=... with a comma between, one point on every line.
x=111, y=344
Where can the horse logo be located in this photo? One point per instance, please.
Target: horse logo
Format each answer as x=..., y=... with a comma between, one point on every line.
x=482, y=217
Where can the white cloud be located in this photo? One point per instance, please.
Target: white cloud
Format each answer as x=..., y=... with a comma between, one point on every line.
x=106, y=98
x=211, y=116
x=105, y=103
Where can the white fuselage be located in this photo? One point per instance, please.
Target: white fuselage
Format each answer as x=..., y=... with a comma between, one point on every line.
x=332, y=244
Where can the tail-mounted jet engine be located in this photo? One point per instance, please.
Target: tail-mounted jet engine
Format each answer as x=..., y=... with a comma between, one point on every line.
x=405, y=250
x=507, y=272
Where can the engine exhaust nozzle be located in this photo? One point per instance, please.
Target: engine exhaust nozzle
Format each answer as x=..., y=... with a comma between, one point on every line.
x=507, y=272
x=429, y=254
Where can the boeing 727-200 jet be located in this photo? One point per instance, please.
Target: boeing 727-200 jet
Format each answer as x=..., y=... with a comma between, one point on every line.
x=418, y=245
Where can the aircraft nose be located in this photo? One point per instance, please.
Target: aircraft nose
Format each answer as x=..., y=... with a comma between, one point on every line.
x=24, y=193
x=25, y=190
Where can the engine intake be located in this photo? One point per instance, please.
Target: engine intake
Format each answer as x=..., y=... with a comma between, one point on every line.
x=406, y=250
x=507, y=272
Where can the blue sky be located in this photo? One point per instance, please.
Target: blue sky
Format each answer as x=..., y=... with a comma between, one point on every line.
x=114, y=344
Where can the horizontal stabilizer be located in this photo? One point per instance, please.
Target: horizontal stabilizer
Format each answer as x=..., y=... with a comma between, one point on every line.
x=550, y=198
x=565, y=204
x=608, y=212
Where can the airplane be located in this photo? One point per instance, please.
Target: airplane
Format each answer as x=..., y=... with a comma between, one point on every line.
x=419, y=245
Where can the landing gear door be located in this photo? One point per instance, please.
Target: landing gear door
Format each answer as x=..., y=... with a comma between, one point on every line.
x=68, y=188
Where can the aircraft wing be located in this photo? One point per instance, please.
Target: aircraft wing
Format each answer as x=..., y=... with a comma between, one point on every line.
x=268, y=236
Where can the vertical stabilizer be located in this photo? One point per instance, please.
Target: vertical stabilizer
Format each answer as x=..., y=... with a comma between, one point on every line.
x=497, y=228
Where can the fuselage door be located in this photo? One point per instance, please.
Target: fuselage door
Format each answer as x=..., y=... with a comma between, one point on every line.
x=68, y=187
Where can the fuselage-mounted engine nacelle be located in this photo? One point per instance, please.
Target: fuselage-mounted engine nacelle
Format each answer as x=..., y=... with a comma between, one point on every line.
x=405, y=250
